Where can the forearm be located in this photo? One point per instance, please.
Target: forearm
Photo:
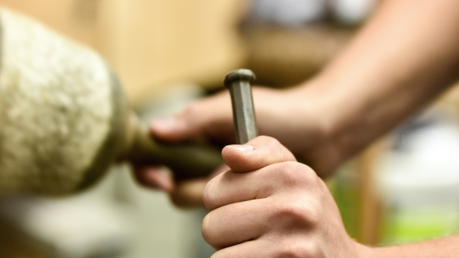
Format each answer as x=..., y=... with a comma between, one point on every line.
x=405, y=56
x=445, y=248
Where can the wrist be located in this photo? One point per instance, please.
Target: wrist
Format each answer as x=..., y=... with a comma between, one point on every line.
x=320, y=127
x=347, y=117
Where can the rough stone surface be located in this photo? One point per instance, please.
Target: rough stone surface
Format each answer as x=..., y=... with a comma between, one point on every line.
x=55, y=108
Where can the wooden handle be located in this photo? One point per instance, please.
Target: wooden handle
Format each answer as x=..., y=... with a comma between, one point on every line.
x=185, y=160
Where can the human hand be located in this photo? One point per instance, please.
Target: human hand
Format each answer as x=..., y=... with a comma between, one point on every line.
x=183, y=193
x=295, y=117
x=269, y=205
x=291, y=116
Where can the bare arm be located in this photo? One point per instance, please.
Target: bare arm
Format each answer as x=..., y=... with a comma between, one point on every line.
x=405, y=56
x=445, y=247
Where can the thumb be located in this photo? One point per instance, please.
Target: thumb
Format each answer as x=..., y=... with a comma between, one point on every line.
x=172, y=129
x=256, y=154
x=208, y=118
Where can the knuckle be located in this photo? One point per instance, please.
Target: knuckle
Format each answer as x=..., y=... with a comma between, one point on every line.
x=295, y=174
x=294, y=249
x=272, y=143
x=270, y=140
x=291, y=172
x=292, y=214
x=279, y=150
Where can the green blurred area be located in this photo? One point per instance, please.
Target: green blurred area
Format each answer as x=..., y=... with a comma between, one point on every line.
x=397, y=225
x=345, y=189
x=405, y=225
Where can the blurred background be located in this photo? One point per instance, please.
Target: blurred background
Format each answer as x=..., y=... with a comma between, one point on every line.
x=403, y=188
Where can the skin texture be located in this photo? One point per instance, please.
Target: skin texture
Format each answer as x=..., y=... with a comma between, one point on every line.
x=266, y=185
x=217, y=126
x=403, y=58
x=399, y=62
x=268, y=205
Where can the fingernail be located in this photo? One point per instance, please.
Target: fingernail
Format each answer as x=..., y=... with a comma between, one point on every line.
x=244, y=148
